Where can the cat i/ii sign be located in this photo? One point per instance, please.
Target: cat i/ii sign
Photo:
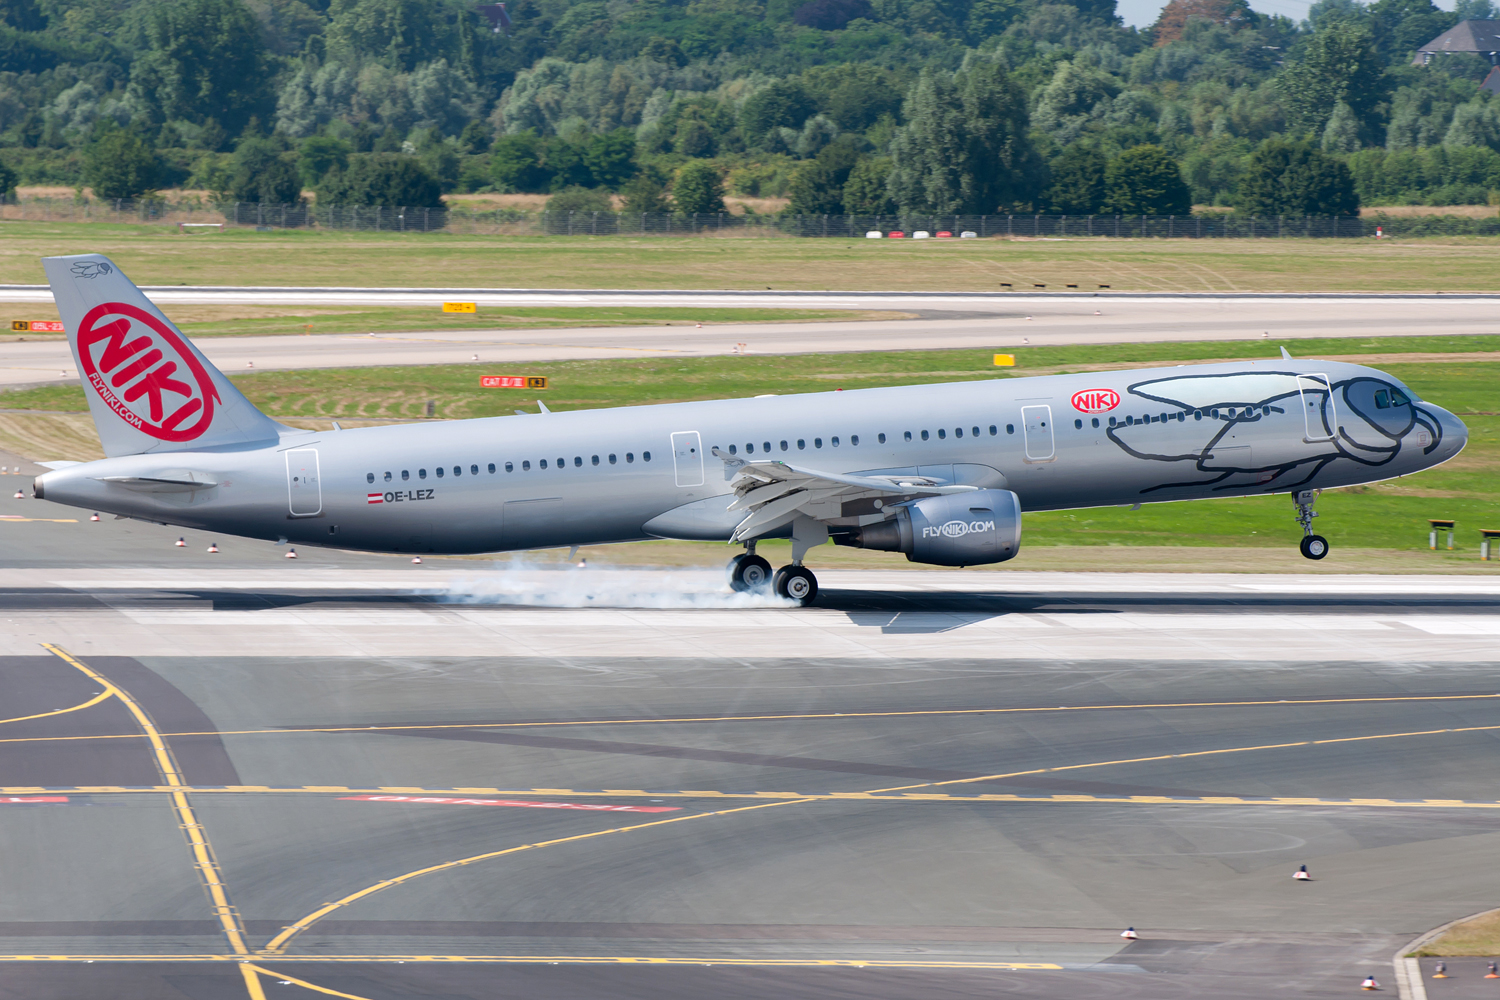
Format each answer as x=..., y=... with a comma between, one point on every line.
x=513, y=381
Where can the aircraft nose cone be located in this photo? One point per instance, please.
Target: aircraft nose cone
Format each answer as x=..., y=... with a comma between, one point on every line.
x=1455, y=435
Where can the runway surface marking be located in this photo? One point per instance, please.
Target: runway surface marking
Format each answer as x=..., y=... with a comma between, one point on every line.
x=792, y=717
x=205, y=863
x=874, y=796
x=799, y=963
x=277, y=944
x=104, y=695
x=252, y=974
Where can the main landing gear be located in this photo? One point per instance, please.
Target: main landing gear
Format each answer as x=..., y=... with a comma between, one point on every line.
x=751, y=572
x=1312, y=546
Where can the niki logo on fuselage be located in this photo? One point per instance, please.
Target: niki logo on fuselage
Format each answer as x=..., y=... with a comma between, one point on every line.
x=166, y=391
x=1270, y=425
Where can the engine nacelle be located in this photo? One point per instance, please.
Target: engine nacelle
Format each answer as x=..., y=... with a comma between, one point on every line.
x=959, y=529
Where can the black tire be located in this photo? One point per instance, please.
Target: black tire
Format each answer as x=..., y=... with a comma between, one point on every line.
x=748, y=572
x=1314, y=546
x=796, y=583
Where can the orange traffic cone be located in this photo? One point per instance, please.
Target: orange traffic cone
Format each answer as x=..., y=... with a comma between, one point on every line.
x=1441, y=972
x=291, y=553
x=1369, y=984
x=180, y=543
x=1494, y=973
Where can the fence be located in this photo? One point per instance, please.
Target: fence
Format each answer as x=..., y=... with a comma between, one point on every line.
x=510, y=221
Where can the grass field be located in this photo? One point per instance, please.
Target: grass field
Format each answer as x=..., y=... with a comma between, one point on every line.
x=1459, y=373
x=161, y=256
x=1478, y=937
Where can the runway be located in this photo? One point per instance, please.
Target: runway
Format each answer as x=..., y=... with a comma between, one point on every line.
x=972, y=321
x=236, y=775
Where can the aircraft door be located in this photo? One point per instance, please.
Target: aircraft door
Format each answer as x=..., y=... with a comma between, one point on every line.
x=1037, y=422
x=687, y=458
x=1319, y=419
x=304, y=490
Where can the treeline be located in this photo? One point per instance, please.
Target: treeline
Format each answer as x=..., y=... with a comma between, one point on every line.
x=841, y=106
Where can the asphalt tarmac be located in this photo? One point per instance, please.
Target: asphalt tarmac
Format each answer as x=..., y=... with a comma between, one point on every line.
x=979, y=322
x=239, y=776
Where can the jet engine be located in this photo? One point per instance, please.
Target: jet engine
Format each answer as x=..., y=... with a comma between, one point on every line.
x=959, y=529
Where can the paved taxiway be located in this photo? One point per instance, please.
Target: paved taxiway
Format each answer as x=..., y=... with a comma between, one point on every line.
x=945, y=321
x=933, y=784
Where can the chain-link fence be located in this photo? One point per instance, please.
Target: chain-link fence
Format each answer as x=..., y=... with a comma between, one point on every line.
x=468, y=220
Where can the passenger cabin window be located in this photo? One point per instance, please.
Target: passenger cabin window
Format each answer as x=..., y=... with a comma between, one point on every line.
x=629, y=457
x=732, y=450
x=492, y=469
x=1010, y=428
x=542, y=464
x=924, y=435
x=975, y=431
x=801, y=444
x=783, y=446
x=577, y=461
x=835, y=442
x=438, y=470
x=562, y=463
x=993, y=430
x=405, y=475
x=1078, y=424
x=1096, y=421
x=942, y=434
x=509, y=467
x=958, y=432
x=526, y=465
x=645, y=456
x=613, y=460
x=749, y=447
x=766, y=447
x=880, y=438
x=908, y=435
x=421, y=473
x=369, y=477
x=817, y=442
x=594, y=460
x=854, y=440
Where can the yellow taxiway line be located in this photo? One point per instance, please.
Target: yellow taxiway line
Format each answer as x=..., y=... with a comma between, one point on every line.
x=793, y=717
x=802, y=963
x=206, y=863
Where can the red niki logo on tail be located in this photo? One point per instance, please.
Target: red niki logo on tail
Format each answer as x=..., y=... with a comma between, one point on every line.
x=166, y=391
x=1095, y=400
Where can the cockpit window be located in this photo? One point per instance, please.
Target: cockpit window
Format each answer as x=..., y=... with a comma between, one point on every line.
x=1382, y=399
x=1398, y=398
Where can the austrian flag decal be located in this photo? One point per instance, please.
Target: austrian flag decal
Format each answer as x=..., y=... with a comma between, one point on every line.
x=374, y=498
x=145, y=372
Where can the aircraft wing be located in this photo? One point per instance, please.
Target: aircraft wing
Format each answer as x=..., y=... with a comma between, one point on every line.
x=775, y=492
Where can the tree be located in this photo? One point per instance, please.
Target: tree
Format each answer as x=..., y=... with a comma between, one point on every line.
x=817, y=186
x=964, y=148
x=1145, y=180
x=1339, y=64
x=564, y=207
x=831, y=15
x=1173, y=21
x=646, y=194
x=1341, y=134
x=1400, y=27
x=866, y=192
x=610, y=158
x=699, y=188
x=516, y=163
x=1078, y=182
x=319, y=154
x=388, y=179
x=205, y=60
x=7, y=185
x=120, y=164
x=476, y=138
x=261, y=172
x=1296, y=178
x=402, y=34
x=785, y=104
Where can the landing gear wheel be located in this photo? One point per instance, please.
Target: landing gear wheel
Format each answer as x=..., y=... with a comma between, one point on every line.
x=1314, y=546
x=796, y=583
x=747, y=572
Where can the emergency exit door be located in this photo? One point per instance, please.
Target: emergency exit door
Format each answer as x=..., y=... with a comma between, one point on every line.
x=1036, y=422
x=687, y=458
x=304, y=491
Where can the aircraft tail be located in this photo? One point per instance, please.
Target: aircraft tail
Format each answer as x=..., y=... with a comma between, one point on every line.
x=149, y=389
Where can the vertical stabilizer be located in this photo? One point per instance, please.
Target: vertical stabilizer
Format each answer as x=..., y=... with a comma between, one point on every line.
x=148, y=387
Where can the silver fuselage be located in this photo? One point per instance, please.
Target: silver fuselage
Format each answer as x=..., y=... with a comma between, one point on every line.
x=552, y=479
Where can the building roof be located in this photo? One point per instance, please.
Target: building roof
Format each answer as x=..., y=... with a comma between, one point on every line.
x=1467, y=36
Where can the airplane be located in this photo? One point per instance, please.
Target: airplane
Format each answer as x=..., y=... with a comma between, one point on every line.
x=942, y=472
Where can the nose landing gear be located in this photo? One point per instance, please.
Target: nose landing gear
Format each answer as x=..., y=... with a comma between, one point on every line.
x=1312, y=546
